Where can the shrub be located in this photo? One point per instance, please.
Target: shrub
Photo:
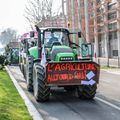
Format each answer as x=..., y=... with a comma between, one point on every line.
x=2, y=59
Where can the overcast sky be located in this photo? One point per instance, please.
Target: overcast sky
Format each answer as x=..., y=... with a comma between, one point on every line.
x=11, y=15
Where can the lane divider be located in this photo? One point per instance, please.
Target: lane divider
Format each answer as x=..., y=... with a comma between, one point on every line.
x=108, y=103
x=31, y=108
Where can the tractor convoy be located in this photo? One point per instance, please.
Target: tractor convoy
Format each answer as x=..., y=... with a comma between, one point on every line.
x=52, y=59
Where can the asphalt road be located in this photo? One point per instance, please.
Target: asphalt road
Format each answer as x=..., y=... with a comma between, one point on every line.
x=66, y=106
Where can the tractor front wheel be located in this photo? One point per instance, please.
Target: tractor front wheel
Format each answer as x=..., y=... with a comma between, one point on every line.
x=87, y=91
x=41, y=91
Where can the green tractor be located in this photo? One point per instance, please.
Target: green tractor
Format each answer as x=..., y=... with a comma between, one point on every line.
x=54, y=62
x=26, y=42
x=12, y=53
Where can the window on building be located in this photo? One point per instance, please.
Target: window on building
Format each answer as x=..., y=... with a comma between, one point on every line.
x=91, y=14
x=91, y=29
x=112, y=26
x=100, y=10
x=100, y=28
x=82, y=4
x=101, y=46
x=112, y=15
x=112, y=35
x=98, y=2
x=91, y=3
x=99, y=19
x=111, y=6
x=112, y=2
x=113, y=44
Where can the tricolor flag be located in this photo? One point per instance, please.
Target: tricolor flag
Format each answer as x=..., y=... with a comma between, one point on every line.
x=43, y=57
x=94, y=54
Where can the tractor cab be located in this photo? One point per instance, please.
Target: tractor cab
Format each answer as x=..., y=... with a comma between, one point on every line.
x=53, y=37
x=58, y=46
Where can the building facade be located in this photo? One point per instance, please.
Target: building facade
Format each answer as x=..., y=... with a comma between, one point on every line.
x=103, y=27
x=105, y=14
x=54, y=21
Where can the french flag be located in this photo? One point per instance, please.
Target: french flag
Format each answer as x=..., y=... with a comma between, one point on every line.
x=43, y=57
x=94, y=54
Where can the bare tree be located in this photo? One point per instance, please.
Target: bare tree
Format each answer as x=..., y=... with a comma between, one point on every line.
x=8, y=35
x=38, y=10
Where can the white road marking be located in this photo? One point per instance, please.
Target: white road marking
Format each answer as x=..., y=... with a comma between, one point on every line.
x=31, y=108
x=107, y=103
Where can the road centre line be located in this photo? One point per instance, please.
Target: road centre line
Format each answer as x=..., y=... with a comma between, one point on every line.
x=107, y=103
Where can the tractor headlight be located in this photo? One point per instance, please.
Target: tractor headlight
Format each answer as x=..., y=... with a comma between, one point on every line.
x=66, y=58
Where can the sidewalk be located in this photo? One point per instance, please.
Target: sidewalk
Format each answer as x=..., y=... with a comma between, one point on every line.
x=104, y=61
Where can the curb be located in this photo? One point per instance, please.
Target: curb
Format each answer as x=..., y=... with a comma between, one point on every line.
x=31, y=108
x=112, y=71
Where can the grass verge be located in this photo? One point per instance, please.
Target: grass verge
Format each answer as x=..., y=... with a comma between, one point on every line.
x=107, y=67
x=12, y=106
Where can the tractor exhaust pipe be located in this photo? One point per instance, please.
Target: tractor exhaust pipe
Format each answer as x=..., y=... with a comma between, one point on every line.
x=39, y=41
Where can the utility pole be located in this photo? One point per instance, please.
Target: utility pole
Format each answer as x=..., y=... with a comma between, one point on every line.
x=118, y=34
x=106, y=36
x=68, y=20
x=86, y=20
x=95, y=33
x=79, y=16
x=79, y=23
x=73, y=19
x=63, y=11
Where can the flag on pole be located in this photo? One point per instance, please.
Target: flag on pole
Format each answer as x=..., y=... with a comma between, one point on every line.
x=94, y=54
x=43, y=57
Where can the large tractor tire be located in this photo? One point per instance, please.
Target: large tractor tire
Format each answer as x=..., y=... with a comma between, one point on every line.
x=29, y=73
x=87, y=91
x=41, y=91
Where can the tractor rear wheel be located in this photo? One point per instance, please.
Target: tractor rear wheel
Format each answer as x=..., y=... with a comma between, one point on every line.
x=29, y=73
x=41, y=91
x=87, y=91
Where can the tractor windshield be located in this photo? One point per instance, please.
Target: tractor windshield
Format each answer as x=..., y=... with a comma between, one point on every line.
x=56, y=37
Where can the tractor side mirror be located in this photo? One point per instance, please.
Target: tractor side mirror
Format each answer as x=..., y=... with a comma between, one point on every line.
x=87, y=50
x=79, y=35
x=31, y=33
